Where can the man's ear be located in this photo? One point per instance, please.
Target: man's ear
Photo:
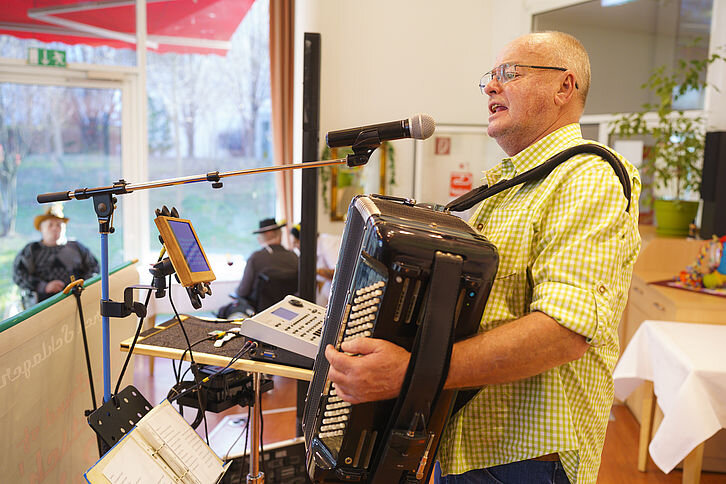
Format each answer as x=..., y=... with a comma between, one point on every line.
x=567, y=89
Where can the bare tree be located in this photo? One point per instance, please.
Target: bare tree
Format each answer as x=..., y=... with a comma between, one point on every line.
x=248, y=72
x=11, y=145
x=183, y=82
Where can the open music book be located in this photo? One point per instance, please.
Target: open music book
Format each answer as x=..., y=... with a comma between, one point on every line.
x=162, y=448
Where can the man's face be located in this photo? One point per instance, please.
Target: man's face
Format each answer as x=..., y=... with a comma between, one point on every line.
x=51, y=230
x=522, y=110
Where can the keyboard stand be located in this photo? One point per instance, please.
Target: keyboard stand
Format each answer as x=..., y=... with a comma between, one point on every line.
x=167, y=341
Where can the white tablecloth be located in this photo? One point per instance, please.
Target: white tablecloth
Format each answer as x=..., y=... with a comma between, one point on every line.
x=687, y=364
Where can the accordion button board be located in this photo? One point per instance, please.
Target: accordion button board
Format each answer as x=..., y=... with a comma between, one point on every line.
x=292, y=324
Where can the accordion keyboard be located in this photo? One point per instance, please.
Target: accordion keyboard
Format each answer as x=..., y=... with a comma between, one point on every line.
x=360, y=322
x=390, y=254
x=335, y=416
x=366, y=302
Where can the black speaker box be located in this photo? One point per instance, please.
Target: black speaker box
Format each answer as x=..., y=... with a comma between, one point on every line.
x=713, y=185
x=282, y=463
x=310, y=140
x=309, y=202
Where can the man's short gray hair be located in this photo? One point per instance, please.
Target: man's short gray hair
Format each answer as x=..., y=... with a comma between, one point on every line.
x=564, y=50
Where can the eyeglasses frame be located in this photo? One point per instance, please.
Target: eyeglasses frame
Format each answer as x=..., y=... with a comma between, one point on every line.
x=499, y=67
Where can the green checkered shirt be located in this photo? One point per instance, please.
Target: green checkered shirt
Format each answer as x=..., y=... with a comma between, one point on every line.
x=567, y=248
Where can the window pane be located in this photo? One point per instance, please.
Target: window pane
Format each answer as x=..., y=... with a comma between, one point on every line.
x=15, y=48
x=54, y=139
x=627, y=42
x=206, y=113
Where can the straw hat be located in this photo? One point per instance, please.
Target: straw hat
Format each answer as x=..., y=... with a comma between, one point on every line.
x=268, y=224
x=54, y=211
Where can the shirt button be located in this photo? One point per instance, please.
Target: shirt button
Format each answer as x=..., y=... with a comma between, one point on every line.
x=479, y=226
x=601, y=289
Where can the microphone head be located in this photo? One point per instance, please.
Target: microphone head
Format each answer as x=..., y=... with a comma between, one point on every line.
x=421, y=126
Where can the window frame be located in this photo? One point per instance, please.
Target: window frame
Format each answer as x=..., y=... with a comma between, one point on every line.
x=133, y=163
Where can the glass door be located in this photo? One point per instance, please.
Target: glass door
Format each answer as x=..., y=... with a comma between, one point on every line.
x=54, y=138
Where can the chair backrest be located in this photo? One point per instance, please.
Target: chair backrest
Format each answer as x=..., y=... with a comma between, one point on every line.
x=272, y=285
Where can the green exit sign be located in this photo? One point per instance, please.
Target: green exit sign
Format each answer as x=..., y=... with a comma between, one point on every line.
x=47, y=57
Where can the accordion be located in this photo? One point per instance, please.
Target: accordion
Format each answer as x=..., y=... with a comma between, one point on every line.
x=416, y=276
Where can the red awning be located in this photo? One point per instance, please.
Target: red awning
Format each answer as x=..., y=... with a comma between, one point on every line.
x=184, y=26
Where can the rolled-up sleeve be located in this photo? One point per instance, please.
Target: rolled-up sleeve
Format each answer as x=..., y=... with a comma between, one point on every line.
x=583, y=244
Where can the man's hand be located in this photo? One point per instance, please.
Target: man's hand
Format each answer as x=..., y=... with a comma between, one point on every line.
x=375, y=373
x=54, y=286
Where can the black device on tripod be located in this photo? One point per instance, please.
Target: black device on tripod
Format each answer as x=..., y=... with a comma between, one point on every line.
x=226, y=389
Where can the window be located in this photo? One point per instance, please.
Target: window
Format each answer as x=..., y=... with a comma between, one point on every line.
x=207, y=111
x=627, y=41
x=53, y=138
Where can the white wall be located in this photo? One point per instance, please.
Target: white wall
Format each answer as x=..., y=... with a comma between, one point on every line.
x=386, y=60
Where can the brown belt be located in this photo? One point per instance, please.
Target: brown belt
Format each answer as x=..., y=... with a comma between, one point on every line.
x=548, y=457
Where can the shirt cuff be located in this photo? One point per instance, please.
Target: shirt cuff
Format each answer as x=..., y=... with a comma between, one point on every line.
x=584, y=311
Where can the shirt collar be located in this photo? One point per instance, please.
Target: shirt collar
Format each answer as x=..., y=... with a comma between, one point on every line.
x=534, y=154
x=540, y=151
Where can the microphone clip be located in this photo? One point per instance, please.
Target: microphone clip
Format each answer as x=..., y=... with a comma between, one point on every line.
x=366, y=143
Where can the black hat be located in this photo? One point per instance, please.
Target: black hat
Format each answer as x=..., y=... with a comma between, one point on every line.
x=267, y=224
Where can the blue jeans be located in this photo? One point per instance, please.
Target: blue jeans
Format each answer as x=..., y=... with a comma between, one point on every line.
x=524, y=472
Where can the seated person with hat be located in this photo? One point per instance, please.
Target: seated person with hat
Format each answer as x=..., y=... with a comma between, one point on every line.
x=273, y=264
x=45, y=267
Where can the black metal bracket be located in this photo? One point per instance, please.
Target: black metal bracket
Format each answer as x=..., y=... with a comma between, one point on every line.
x=112, y=309
x=213, y=176
x=364, y=146
x=117, y=416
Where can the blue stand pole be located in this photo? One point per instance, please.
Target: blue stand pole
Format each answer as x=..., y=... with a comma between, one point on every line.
x=106, y=337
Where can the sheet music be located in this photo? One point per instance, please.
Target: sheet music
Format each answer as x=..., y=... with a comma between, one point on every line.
x=185, y=443
x=133, y=465
x=161, y=445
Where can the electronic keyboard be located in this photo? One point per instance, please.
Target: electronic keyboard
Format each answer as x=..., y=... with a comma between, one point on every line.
x=292, y=324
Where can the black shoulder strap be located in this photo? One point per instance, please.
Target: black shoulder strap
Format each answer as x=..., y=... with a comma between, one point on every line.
x=469, y=199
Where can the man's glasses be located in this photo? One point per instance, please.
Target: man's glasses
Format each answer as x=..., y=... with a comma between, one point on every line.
x=507, y=72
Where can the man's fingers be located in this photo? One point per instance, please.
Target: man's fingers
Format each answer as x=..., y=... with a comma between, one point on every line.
x=346, y=397
x=339, y=361
x=361, y=346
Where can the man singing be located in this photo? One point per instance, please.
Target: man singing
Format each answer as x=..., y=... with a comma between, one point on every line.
x=547, y=345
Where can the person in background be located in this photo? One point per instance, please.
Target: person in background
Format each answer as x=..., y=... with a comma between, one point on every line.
x=327, y=256
x=45, y=267
x=548, y=342
x=272, y=256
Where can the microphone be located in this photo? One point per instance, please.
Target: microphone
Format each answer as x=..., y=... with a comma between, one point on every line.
x=418, y=126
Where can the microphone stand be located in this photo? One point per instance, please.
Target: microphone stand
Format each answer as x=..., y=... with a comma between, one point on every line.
x=104, y=203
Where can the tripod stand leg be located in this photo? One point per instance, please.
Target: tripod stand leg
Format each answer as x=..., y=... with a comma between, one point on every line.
x=256, y=476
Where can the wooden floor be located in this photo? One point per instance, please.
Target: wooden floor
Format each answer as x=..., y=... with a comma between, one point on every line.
x=278, y=405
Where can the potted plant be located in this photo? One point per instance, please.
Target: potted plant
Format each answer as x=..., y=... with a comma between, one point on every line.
x=674, y=160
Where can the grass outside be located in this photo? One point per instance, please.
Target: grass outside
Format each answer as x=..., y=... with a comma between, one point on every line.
x=223, y=218
x=9, y=294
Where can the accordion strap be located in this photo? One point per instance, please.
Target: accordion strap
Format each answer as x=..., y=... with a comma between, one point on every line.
x=432, y=349
x=427, y=369
x=471, y=198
